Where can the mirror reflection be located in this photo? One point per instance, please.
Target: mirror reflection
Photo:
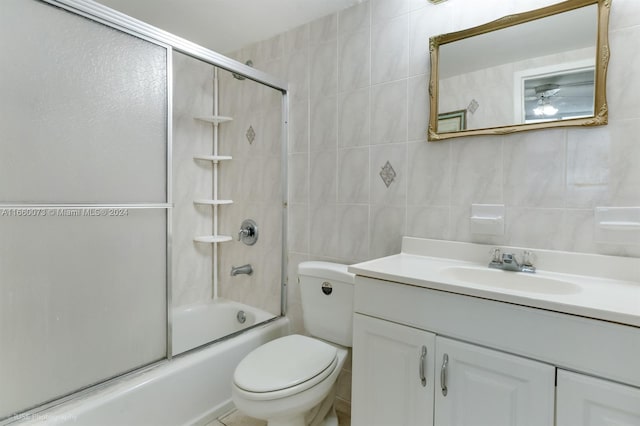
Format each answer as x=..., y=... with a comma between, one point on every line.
x=537, y=69
x=562, y=95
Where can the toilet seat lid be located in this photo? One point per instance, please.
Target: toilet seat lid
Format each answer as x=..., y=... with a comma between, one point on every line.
x=284, y=363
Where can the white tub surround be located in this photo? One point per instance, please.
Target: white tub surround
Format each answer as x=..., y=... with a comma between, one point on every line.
x=556, y=347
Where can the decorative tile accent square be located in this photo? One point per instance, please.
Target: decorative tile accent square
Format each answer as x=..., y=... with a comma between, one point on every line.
x=473, y=106
x=387, y=174
x=251, y=134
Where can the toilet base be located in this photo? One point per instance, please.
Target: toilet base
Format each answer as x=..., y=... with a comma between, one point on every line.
x=331, y=419
x=298, y=421
x=323, y=414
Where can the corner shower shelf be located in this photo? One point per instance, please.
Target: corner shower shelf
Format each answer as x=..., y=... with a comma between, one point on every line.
x=214, y=158
x=215, y=119
x=213, y=202
x=213, y=239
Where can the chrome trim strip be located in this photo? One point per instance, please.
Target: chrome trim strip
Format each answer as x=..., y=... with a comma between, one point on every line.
x=285, y=203
x=105, y=21
x=119, y=20
x=169, y=174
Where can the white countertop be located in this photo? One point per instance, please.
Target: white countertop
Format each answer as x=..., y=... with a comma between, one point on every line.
x=610, y=291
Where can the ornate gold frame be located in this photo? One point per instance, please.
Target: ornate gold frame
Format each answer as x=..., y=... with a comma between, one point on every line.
x=602, y=61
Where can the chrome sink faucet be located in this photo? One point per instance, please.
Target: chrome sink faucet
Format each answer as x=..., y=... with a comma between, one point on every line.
x=509, y=262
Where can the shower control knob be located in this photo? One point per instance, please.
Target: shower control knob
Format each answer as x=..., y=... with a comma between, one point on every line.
x=248, y=233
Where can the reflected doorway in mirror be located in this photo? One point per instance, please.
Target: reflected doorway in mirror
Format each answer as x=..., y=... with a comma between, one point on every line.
x=559, y=92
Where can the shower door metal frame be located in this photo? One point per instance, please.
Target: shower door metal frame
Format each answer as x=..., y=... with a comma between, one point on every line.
x=115, y=19
x=119, y=21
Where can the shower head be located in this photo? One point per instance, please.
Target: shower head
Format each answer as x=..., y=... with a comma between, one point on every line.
x=238, y=76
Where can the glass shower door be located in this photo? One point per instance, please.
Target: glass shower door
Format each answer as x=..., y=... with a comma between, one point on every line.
x=83, y=203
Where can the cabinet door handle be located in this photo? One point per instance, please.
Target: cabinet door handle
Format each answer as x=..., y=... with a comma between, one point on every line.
x=443, y=374
x=423, y=360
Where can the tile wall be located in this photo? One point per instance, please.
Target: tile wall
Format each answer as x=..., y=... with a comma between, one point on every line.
x=253, y=180
x=358, y=84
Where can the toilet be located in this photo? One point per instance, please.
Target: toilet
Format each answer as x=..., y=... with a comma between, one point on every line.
x=291, y=381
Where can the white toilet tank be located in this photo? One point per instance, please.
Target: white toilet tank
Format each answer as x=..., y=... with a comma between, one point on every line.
x=327, y=301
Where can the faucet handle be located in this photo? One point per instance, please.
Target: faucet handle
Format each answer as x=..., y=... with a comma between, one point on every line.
x=496, y=255
x=248, y=233
x=244, y=232
x=528, y=257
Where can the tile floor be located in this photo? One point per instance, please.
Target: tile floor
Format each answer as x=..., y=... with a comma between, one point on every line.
x=235, y=418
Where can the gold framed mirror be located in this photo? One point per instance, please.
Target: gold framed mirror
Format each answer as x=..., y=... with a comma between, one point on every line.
x=538, y=69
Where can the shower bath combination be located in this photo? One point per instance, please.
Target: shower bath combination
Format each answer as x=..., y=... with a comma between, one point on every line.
x=130, y=126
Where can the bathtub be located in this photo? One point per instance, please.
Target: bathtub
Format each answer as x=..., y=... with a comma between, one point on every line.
x=190, y=389
x=196, y=325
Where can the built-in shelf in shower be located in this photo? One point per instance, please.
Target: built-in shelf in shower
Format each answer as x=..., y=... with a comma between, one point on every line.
x=213, y=202
x=213, y=239
x=215, y=119
x=214, y=158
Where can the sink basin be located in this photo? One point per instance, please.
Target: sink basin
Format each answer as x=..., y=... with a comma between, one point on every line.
x=519, y=281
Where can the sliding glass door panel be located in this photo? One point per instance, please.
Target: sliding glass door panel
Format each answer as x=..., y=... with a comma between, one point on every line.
x=83, y=114
x=83, y=299
x=83, y=125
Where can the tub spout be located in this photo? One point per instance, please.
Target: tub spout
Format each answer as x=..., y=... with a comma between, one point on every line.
x=244, y=269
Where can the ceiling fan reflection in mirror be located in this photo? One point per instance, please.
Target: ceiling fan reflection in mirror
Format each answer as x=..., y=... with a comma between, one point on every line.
x=559, y=97
x=544, y=93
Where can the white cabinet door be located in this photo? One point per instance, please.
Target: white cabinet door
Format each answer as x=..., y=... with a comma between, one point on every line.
x=587, y=401
x=389, y=364
x=490, y=388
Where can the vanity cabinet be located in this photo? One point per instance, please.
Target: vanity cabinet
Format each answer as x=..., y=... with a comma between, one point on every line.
x=587, y=401
x=501, y=364
x=398, y=370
